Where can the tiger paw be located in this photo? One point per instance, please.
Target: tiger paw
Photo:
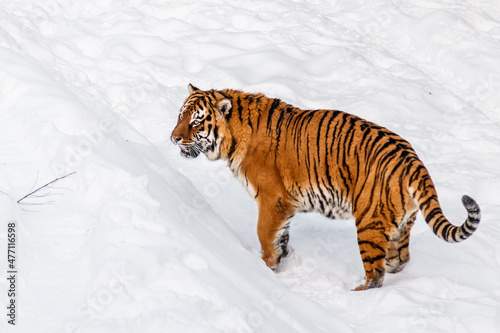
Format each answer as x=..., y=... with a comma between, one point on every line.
x=360, y=287
x=272, y=261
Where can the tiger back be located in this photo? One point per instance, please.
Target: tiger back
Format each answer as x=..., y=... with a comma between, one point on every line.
x=328, y=161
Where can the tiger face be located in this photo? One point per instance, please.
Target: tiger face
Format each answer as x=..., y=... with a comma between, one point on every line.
x=197, y=130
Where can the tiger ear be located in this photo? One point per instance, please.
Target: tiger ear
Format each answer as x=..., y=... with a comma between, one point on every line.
x=224, y=106
x=192, y=88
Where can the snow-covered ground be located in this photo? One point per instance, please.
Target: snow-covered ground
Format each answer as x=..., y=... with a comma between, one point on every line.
x=141, y=240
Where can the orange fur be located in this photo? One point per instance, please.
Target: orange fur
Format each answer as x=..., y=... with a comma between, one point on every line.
x=327, y=161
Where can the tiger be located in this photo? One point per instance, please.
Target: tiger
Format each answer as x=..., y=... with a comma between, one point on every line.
x=328, y=161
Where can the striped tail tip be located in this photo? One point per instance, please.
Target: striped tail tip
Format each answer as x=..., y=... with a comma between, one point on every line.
x=474, y=217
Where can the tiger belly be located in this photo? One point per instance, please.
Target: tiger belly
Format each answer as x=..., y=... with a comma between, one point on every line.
x=329, y=204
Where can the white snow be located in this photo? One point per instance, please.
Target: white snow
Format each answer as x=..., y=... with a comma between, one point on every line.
x=142, y=240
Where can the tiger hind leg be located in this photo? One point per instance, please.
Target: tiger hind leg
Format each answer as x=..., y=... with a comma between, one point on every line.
x=398, y=254
x=373, y=245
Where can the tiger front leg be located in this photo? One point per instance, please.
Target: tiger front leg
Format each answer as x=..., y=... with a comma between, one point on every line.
x=273, y=229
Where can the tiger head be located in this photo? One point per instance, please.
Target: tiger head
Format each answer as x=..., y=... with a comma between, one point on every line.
x=201, y=124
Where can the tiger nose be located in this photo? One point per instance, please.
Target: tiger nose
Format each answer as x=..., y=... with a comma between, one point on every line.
x=175, y=139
